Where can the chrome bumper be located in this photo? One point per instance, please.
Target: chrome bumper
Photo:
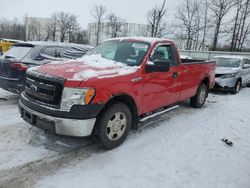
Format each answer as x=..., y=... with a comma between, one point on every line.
x=63, y=126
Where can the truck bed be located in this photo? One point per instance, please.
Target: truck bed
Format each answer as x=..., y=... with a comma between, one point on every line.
x=195, y=61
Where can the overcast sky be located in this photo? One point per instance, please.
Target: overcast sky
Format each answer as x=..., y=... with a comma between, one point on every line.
x=131, y=10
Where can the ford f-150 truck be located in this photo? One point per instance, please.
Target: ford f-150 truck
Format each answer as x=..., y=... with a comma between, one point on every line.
x=115, y=86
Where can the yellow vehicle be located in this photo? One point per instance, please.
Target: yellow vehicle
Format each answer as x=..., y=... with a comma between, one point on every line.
x=5, y=44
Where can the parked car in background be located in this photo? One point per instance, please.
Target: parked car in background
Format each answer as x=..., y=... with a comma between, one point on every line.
x=15, y=62
x=232, y=72
x=116, y=85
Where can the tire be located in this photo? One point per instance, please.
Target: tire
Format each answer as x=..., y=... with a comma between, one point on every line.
x=112, y=126
x=248, y=85
x=200, y=98
x=237, y=87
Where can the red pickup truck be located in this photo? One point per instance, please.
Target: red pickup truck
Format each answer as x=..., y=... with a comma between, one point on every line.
x=115, y=86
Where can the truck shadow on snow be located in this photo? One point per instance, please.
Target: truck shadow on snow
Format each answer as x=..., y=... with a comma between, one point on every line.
x=57, y=143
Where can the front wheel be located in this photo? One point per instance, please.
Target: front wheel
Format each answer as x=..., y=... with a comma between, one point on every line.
x=200, y=98
x=237, y=87
x=113, y=126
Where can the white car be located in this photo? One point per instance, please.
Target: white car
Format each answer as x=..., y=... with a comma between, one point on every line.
x=232, y=72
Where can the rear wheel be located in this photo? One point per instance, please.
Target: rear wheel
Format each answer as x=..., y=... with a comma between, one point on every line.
x=113, y=126
x=200, y=98
x=237, y=87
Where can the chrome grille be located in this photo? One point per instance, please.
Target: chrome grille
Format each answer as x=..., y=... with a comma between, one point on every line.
x=44, y=91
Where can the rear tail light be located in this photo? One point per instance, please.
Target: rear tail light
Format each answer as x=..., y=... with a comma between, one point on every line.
x=19, y=66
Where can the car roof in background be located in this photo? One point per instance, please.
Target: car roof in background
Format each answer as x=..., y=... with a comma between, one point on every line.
x=40, y=43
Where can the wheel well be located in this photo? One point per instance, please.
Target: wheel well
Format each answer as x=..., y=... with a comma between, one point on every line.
x=239, y=79
x=206, y=82
x=128, y=100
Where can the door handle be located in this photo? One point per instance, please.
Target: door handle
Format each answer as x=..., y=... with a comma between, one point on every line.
x=175, y=74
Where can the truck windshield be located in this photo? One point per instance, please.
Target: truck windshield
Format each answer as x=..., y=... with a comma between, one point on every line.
x=227, y=62
x=127, y=52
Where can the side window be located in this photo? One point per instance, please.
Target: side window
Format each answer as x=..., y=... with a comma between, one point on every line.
x=49, y=51
x=164, y=53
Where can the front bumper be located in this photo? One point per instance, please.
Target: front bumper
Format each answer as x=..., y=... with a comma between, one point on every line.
x=225, y=84
x=13, y=85
x=79, y=121
x=61, y=126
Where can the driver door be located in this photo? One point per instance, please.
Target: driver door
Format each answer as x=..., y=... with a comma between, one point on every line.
x=160, y=89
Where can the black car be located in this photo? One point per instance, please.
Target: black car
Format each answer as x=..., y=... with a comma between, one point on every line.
x=21, y=56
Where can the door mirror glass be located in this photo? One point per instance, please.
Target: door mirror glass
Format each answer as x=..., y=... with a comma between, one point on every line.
x=158, y=66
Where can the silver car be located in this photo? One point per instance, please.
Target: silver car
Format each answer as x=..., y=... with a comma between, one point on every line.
x=232, y=72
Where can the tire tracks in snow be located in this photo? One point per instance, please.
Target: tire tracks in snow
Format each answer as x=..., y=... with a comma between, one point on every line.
x=26, y=175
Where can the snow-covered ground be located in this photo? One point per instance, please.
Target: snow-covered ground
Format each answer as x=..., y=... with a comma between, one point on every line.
x=182, y=149
x=20, y=143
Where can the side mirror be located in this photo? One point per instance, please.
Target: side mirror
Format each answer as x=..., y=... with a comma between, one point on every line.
x=158, y=66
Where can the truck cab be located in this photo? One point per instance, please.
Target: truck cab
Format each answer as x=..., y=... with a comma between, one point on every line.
x=116, y=85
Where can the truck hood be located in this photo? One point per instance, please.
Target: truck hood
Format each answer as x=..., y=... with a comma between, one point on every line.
x=226, y=70
x=90, y=66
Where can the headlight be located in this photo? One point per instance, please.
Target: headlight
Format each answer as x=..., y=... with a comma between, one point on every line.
x=72, y=96
x=227, y=76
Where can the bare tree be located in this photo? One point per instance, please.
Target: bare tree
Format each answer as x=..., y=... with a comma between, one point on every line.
x=115, y=25
x=189, y=18
x=13, y=29
x=67, y=24
x=98, y=13
x=52, y=28
x=219, y=8
x=33, y=29
x=155, y=19
x=240, y=27
x=205, y=22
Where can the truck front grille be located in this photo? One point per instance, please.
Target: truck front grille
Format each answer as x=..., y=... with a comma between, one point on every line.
x=43, y=91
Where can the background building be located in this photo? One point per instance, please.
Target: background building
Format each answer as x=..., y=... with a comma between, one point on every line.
x=37, y=29
x=125, y=29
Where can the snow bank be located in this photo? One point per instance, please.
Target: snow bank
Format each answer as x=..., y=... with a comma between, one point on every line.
x=21, y=143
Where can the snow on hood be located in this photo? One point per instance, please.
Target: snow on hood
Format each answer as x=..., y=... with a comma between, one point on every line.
x=89, y=66
x=226, y=70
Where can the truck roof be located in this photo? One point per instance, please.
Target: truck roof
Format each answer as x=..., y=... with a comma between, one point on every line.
x=150, y=40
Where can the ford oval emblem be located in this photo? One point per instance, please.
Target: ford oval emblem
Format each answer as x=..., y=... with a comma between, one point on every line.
x=33, y=88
